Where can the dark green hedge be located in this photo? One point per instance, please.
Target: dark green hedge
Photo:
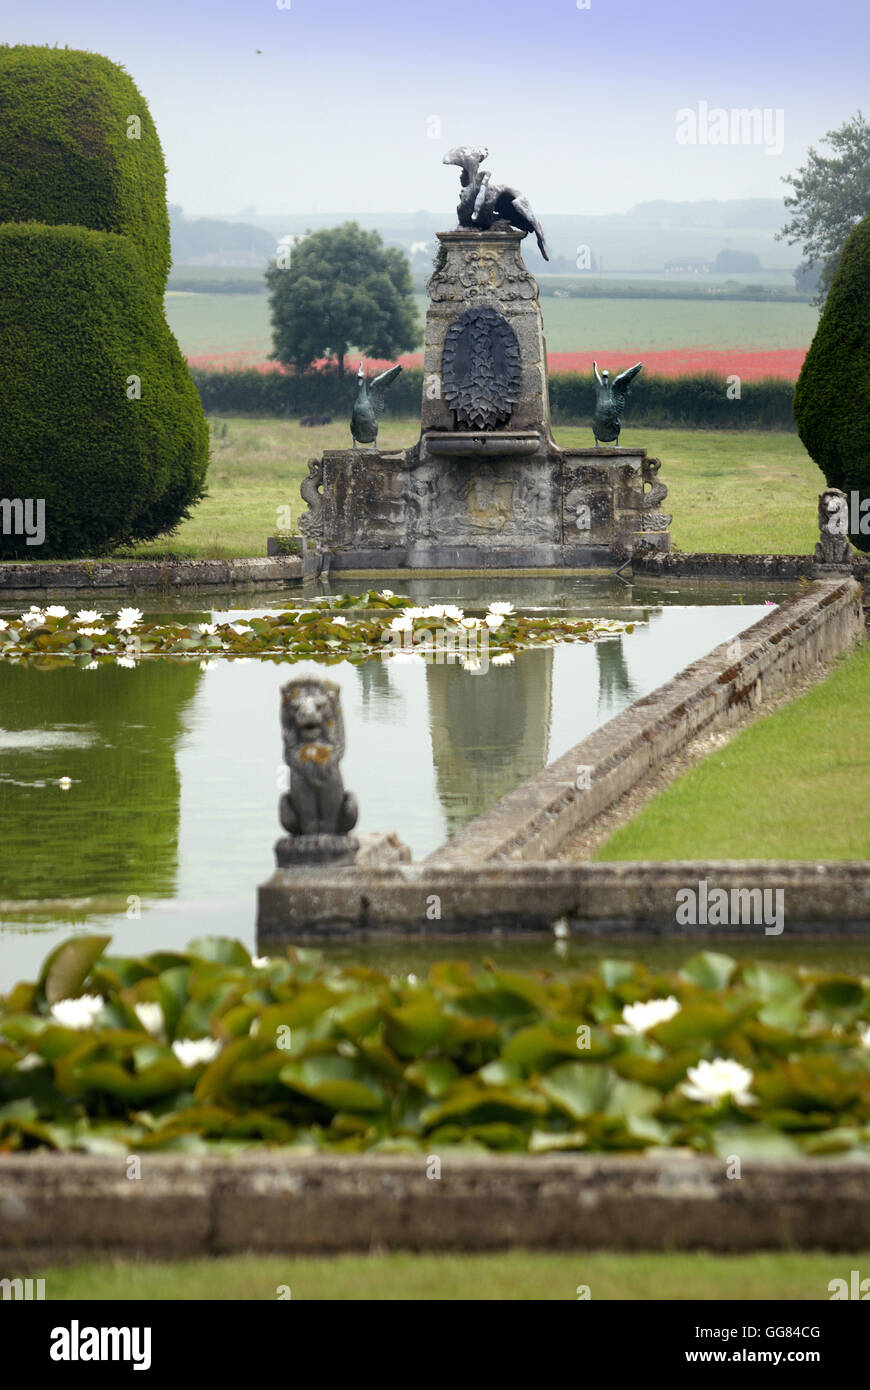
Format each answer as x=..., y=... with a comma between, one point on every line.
x=65, y=155
x=78, y=317
x=697, y=402
x=832, y=397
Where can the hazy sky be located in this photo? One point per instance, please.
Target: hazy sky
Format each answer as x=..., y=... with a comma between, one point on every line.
x=578, y=106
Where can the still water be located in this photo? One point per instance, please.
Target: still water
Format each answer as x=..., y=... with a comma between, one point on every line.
x=171, y=815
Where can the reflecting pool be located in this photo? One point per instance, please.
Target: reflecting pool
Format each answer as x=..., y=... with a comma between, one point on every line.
x=144, y=802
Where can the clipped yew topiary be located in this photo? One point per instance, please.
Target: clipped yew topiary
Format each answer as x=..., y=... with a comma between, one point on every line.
x=79, y=320
x=832, y=397
x=78, y=147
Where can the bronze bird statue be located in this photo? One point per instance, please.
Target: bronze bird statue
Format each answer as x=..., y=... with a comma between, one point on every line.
x=482, y=203
x=610, y=403
x=369, y=404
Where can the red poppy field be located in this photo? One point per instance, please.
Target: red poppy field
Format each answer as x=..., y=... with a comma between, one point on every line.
x=749, y=365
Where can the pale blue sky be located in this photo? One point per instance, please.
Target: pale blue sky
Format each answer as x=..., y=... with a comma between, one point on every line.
x=578, y=106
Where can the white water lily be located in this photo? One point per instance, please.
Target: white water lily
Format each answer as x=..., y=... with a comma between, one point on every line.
x=501, y=607
x=435, y=610
x=128, y=618
x=191, y=1052
x=33, y=618
x=3, y=624
x=469, y=622
x=64, y=783
x=711, y=1082
x=126, y=661
x=413, y=613
x=57, y=610
x=453, y=613
x=493, y=620
x=402, y=625
x=503, y=659
x=387, y=593
x=241, y=628
x=208, y=629
x=92, y=666
x=340, y=622
x=87, y=615
x=645, y=1014
x=77, y=1013
x=150, y=1015
x=92, y=632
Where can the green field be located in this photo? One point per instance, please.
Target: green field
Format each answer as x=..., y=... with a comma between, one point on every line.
x=515, y=1275
x=213, y=325
x=791, y=786
x=752, y=491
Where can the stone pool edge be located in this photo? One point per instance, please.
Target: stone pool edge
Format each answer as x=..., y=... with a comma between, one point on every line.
x=148, y=574
x=57, y=1209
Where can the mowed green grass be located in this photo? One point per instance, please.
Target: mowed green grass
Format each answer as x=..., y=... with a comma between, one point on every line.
x=216, y=324
x=745, y=491
x=791, y=786
x=513, y=1275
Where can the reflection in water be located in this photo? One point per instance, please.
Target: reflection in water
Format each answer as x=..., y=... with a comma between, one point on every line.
x=113, y=733
x=615, y=689
x=489, y=731
x=376, y=689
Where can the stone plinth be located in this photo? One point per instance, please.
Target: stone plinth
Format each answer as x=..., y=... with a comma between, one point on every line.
x=499, y=494
x=579, y=508
x=486, y=268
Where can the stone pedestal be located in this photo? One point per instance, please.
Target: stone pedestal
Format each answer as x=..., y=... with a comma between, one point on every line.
x=501, y=495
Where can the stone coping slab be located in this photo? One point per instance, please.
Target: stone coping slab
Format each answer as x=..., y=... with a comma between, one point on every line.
x=71, y=1207
x=426, y=901
x=679, y=564
x=148, y=574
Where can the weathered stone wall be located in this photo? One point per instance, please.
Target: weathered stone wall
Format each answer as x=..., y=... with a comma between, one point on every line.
x=78, y=1207
x=132, y=575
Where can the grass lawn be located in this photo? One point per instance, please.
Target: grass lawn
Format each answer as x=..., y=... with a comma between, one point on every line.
x=791, y=786
x=513, y=1275
x=748, y=491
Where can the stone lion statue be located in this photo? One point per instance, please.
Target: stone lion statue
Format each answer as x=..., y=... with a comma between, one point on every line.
x=313, y=733
x=832, y=547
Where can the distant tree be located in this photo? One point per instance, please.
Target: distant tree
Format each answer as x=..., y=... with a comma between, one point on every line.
x=806, y=279
x=342, y=288
x=831, y=196
x=729, y=261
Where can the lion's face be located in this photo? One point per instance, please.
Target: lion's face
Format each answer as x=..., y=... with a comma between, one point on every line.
x=834, y=512
x=312, y=724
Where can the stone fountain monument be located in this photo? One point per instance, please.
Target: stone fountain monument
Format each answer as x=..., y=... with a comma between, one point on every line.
x=486, y=486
